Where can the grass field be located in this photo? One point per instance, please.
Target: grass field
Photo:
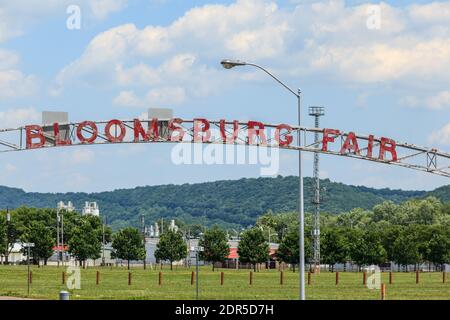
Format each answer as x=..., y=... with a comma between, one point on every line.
x=47, y=282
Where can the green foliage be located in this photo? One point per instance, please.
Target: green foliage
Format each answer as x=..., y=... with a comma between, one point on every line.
x=230, y=204
x=171, y=247
x=365, y=247
x=215, y=245
x=289, y=251
x=253, y=247
x=85, y=238
x=128, y=245
x=334, y=247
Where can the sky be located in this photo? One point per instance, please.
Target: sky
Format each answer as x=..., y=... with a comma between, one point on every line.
x=378, y=68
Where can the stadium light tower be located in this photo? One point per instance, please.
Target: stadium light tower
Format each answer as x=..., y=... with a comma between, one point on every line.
x=228, y=64
x=316, y=112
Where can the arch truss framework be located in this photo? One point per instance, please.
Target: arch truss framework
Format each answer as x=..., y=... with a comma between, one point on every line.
x=251, y=133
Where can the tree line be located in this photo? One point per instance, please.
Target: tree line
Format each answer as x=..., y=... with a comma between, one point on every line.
x=410, y=233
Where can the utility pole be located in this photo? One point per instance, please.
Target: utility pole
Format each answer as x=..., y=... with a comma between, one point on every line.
x=57, y=235
x=103, y=241
x=316, y=112
x=8, y=222
x=143, y=239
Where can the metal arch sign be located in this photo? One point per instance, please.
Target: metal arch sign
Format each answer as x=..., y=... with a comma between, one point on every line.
x=250, y=133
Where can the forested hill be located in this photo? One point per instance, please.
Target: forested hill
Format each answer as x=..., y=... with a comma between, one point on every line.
x=231, y=202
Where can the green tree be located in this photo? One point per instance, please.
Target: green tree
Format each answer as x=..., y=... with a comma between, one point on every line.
x=85, y=239
x=365, y=247
x=215, y=245
x=334, y=247
x=405, y=249
x=438, y=247
x=171, y=247
x=288, y=251
x=128, y=245
x=253, y=247
x=42, y=237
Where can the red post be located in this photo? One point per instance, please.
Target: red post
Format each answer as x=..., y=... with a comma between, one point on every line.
x=160, y=278
x=251, y=278
x=63, y=277
x=417, y=276
x=364, y=278
x=97, y=280
x=337, y=277
x=129, y=278
x=309, y=278
x=221, y=278
x=391, y=279
x=383, y=291
x=281, y=278
x=192, y=278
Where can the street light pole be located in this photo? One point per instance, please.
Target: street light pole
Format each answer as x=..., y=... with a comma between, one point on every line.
x=228, y=64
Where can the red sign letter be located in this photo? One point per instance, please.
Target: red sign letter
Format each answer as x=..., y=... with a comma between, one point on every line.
x=256, y=132
x=198, y=128
x=34, y=135
x=115, y=138
x=370, y=146
x=389, y=146
x=58, y=140
x=327, y=138
x=175, y=126
x=233, y=137
x=94, y=133
x=152, y=132
x=350, y=144
x=289, y=138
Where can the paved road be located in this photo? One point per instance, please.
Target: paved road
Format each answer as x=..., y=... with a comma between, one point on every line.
x=13, y=298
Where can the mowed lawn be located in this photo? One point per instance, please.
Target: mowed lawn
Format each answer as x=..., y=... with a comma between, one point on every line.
x=176, y=284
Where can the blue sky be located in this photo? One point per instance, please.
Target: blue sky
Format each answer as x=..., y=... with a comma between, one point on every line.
x=130, y=55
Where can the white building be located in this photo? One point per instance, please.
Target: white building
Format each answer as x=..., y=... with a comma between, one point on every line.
x=68, y=207
x=91, y=208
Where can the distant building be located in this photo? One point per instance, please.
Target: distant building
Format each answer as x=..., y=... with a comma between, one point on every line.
x=68, y=207
x=90, y=208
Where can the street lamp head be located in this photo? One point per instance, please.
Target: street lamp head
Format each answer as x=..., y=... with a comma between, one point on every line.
x=228, y=64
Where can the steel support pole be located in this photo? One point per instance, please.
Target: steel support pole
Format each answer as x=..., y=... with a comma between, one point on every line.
x=301, y=208
x=196, y=274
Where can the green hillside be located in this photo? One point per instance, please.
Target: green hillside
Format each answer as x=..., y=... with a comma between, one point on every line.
x=232, y=203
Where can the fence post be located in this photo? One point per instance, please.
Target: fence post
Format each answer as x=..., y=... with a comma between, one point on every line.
x=30, y=277
x=364, y=278
x=417, y=276
x=281, y=278
x=337, y=277
x=221, y=278
x=97, y=280
x=444, y=277
x=251, y=278
x=63, y=276
x=383, y=291
x=391, y=279
x=129, y=278
x=309, y=278
x=192, y=278
x=160, y=278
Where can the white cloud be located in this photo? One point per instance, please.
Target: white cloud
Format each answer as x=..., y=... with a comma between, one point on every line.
x=439, y=101
x=159, y=97
x=13, y=118
x=79, y=156
x=311, y=40
x=442, y=136
x=17, y=17
x=128, y=99
x=13, y=83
